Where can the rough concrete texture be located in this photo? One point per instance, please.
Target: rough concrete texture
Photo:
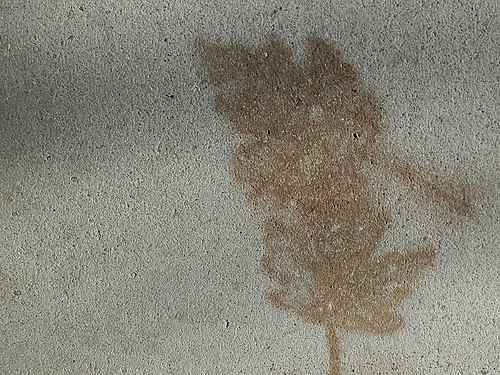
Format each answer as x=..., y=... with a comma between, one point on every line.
x=126, y=244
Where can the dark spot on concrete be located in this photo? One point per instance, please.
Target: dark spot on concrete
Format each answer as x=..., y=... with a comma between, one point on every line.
x=277, y=10
x=306, y=165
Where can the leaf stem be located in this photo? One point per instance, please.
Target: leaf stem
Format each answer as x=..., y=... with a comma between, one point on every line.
x=333, y=347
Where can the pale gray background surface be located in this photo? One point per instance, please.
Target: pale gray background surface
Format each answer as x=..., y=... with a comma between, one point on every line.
x=125, y=247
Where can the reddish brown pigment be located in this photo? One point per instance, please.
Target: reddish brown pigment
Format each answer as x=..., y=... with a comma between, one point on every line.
x=309, y=131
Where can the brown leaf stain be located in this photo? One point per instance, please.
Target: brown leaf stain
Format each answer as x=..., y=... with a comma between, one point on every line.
x=310, y=135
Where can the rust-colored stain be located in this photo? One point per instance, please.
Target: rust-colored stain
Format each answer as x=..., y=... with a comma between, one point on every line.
x=310, y=132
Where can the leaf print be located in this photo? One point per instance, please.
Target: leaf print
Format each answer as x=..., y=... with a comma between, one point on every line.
x=309, y=140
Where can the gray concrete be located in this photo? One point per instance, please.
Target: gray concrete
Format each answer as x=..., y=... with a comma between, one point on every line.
x=125, y=247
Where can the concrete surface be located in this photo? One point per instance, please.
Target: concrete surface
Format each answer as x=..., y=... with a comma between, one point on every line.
x=125, y=244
